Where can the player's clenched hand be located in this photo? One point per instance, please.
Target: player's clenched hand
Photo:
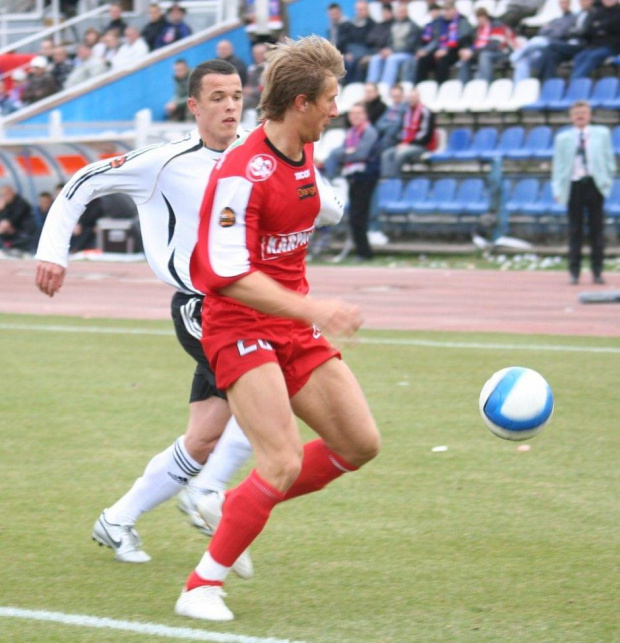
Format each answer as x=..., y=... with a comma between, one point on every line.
x=335, y=317
x=49, y=277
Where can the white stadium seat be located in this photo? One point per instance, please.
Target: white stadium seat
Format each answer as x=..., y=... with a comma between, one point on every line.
x=499, y=94
x=474, y=93
x=331, y=139
x=525, y=92
x=428, y=91
x=351, y=94
x=449, y=93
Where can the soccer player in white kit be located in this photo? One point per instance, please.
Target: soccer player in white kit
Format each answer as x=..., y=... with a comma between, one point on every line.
x=167, y=183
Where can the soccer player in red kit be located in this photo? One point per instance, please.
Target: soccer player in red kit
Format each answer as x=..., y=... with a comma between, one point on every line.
x=261, y=332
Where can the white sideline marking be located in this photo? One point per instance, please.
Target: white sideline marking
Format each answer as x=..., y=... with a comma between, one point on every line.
x=363, y=340
x=151, y=629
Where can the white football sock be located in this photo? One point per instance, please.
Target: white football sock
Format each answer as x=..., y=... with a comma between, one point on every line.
x=165, y=475
x=231, y=452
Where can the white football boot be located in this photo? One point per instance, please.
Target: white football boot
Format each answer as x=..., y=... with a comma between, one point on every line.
x=187, y=500
x=205, y=603
x=210, y=509
x=123, y=539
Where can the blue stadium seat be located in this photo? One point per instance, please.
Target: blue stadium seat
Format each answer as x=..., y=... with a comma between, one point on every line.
x=578, y=89
x=510, y=139
x=415, y=192
x=615, y=139
x=538, y=144
x=389, y=191
x=469, y=198
x=483, y=142
x=544, y=205
x=523, y=192
x=552, y=89
x=443, y=190
x=612, y=204
x=458, y=139
x=605, y=92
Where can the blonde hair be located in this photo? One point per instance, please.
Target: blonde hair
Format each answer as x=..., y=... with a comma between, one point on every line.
x=297, y=67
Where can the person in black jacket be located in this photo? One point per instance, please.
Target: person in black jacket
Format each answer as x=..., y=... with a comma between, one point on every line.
x=17, y=225
x=153, y=28
x=353, y=42
x=374, y=105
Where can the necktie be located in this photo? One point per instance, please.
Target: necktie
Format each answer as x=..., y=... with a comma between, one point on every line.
x=581, y=152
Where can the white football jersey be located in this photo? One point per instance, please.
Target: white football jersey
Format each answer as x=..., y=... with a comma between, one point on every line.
x=167, y=183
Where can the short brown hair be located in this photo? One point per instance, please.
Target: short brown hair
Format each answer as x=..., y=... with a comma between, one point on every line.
x=297, y=67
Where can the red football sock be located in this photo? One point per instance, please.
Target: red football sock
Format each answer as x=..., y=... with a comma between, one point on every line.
x=194, y=581
x=244, y=514
x=320, y=466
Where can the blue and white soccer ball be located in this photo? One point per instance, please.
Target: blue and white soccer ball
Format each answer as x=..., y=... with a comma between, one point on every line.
x=516, y=403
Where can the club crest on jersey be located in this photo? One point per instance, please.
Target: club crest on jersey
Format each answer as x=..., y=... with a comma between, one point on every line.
x=119, y=161
x=227, y=217
x=261, y=167
x=277, y=245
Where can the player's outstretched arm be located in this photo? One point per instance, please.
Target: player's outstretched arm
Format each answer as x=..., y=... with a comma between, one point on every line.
x=264, y=294
x=49, y=277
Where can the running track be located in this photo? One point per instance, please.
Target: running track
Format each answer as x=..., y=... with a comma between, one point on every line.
x=399, y=299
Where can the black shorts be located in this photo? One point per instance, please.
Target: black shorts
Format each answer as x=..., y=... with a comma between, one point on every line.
x=186, y=314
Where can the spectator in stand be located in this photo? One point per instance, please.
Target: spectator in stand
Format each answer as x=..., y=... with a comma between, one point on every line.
x=265, y=20
x=131, y=51
x=115, y=12
x=62, y=66
x=47, y=50
x=373, y=103
x=560, y=51
x=403, y=41
x=453, y=33
x=417, y=135
x=156, y=24
x=89, y=66
x=17, y=226
x=492, y=43
x=175, y=29
x=252, y=87
x=357, y=159
x=225, y=51
x=353, y=43
x=41, y=83
x=20, y=80
x=602, y=35
x=527, y=58
x=44, y=203
x=93, y=39
x=336, y=21
x=583, y=172
x=429, y=35
x=112, y=42
x=518, y=10
x=378, y=40
x=390, y=123
x=7, y=104
x=176, y=107
x=84, y=235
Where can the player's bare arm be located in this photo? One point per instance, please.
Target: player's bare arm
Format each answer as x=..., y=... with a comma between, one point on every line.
x=49, y=277
x=262, y=293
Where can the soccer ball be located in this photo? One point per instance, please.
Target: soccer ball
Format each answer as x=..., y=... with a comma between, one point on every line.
x=516, y=403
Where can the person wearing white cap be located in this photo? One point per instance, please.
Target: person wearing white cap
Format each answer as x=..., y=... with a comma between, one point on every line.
x=40, y=83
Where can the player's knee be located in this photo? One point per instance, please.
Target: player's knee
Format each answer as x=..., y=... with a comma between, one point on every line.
x=283, y=471
x=369, y=447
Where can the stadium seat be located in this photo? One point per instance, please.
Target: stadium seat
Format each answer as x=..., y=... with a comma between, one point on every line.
x=577, y=89
x=523, y=192
x=499, y=94
x=510, y=139
x=428, y=90
x=552, y=90
x=418, y=12
x=473, y=95
x=525, y=92
x=469, y=198
x=331, y=139
x=388, y=192
x=415, y=193
x=615, y=139
x=351, y=94
x=614, y=101
x=538, y=144
x=544, y=204
x=612, y=203
x=483, y=142
x=458, y=139
x=70, y=163
x=605, y=92
x=443, y=191
x=449, y=93
x=549, y=11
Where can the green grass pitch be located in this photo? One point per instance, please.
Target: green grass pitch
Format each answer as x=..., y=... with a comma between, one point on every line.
x=477, y=543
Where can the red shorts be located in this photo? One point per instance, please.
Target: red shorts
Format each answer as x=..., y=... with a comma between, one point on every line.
x=297, y=348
